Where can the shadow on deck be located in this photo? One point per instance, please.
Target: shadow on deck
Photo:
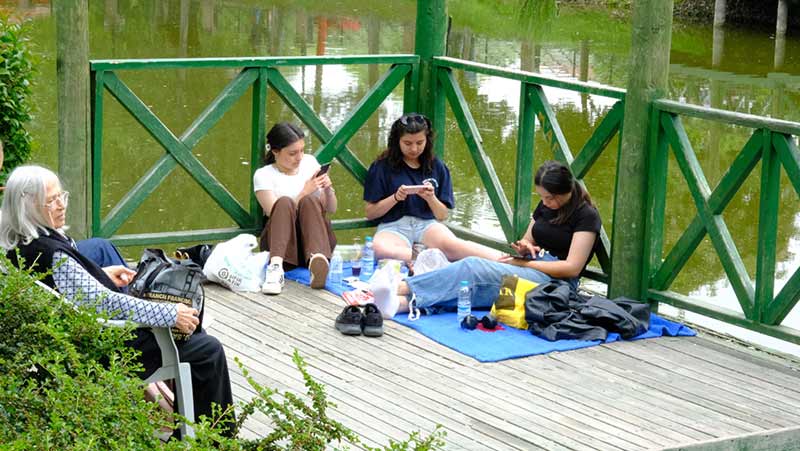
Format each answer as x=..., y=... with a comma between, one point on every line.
x=695, y=393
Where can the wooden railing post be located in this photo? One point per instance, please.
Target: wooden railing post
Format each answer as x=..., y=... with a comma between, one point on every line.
x=651, y=35
x=430, y=40
x=72, y=71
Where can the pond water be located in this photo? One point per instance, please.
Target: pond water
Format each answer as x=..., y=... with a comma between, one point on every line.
x=735, y=69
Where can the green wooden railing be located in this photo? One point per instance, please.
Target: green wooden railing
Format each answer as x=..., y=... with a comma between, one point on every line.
x=533, y=104
x=255, y=73
x=771, y=144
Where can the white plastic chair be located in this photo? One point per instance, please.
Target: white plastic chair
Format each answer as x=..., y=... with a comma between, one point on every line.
x=171, y=366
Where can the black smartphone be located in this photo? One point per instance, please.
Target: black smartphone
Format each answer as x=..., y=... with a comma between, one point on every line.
x=323, y=169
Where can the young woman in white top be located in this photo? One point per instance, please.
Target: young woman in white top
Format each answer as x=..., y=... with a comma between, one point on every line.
x=296, y=199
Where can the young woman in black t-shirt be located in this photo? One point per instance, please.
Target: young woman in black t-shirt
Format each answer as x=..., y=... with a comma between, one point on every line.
x=558, y=244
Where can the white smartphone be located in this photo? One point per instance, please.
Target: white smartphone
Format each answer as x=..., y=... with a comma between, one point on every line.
x=414, y=189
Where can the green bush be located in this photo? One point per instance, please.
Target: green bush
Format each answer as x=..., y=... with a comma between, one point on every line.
x=68, y=383
x=16, y=73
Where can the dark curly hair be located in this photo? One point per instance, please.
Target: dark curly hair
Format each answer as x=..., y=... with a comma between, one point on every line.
x=409, y=124
x=556, y=178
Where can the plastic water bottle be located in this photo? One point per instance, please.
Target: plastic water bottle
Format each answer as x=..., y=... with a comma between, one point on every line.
x=464, y=301
x=335, y=274
x=367, y=259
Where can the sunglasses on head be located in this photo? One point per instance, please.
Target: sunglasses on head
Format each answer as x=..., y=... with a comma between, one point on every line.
x=471, y=322
x=410, y=118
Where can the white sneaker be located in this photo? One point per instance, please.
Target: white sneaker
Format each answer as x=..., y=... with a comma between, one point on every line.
x=273, y=282
x=318, y=266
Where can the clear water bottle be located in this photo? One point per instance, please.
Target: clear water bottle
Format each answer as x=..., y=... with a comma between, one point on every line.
x=464, y=301
x=367, y=259
x=335, y=274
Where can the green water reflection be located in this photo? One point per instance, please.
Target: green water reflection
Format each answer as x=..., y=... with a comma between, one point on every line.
x=732, y=69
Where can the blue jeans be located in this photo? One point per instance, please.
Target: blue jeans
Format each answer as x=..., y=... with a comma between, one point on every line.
x=438, y=290
x=100, y=251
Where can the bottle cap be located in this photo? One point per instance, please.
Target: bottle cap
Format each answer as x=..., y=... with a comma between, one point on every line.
x=369, y=238
x=465, y=283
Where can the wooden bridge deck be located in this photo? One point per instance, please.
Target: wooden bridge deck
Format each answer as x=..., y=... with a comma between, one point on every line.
x=651, y=394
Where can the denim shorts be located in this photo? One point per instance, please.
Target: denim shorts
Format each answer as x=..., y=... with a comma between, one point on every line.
x=410, y=228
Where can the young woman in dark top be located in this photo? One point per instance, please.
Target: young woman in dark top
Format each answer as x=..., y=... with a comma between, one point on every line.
x=558, y=245
x=409, y=191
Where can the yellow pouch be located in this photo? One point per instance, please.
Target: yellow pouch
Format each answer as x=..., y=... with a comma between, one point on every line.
x=509, y=307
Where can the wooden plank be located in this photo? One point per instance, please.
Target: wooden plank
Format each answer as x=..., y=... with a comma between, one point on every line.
x=529, y=77
x=240, y=62
x=737, y=412
x=327, y=328
x=468, y=392
x=585, y=424
x=786, y=439
x=393, y=373
x=270, y=338
x=630, y=395
x=776, y=371
x=428, y=346
x=728, y=117
x=757, y=395
x=783, y=394
x=658, y=402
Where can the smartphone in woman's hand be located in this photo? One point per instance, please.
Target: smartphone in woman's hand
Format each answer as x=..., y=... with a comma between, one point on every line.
x=414, y=189
x=323, y=170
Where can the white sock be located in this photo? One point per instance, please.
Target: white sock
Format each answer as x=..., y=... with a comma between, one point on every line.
x=384, y=290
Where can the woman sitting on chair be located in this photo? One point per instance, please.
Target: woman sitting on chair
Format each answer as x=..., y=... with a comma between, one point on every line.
x=33, y=222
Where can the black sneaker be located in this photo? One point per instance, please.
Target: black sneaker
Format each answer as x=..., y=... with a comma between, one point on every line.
x=198, y=254
x=372, y=321
x=349, y=321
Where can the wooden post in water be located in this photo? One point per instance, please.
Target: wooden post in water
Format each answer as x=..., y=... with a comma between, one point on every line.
x=430, y=41
x=651, y=36
x=780, y=33
x=72, y=71
x=720, y=8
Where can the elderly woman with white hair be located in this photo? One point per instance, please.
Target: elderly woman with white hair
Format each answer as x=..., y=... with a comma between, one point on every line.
x=32, y=224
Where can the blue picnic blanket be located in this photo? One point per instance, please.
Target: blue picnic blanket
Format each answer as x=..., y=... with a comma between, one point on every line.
x=511, y=343
x=502, y=344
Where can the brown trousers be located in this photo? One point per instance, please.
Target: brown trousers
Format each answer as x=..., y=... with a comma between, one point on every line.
x=295, y=231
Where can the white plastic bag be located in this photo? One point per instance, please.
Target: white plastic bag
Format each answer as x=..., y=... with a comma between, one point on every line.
x=233, y=264
x=429, y=260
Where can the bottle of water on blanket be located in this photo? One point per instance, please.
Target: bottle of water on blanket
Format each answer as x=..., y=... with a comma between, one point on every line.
x=464, y=301
x=367, y=259
x=335, y=274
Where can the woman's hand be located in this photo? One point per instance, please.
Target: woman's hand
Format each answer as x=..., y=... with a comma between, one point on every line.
x=309, y=187
x=428, y=194
x=524, y=247
x=187, y=320
x=323, y=182
x=120, y=275
x=401, y=193
x=512, y=260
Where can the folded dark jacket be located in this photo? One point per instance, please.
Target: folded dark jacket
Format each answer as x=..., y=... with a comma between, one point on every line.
x=554, y=311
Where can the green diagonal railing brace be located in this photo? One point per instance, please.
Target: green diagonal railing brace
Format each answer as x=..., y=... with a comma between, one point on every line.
x=772, y=144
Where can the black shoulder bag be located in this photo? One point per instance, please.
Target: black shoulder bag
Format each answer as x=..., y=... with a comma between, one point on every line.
x=163, y=279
